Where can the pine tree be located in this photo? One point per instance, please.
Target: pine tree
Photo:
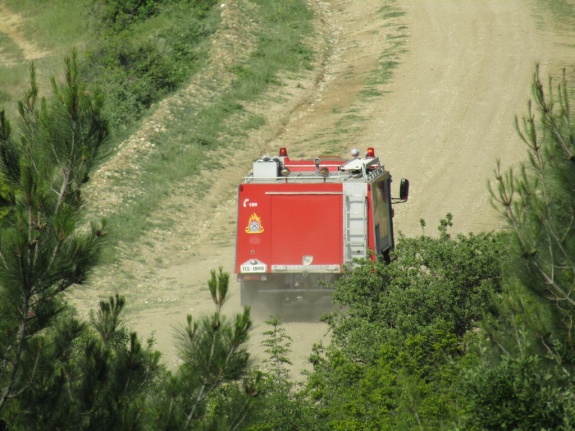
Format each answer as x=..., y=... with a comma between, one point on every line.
x=539, y=202
x=89, y=377
x=526, y=379
x=43, y=248
x=539, y=205
x=213, y=388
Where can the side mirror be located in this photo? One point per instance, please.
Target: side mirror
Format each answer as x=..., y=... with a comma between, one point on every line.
x=404, y=189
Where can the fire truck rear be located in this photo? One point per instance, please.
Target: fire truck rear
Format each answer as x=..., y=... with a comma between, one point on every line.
x=301, y=222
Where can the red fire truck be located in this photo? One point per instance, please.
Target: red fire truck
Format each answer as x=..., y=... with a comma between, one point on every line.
x=301, y=222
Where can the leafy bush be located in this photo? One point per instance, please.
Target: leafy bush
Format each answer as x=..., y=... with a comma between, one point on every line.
x=137, y=67
x=119, y=14
x=447, y=280
x=132, y=76
x=517, y=394
x=404, y=333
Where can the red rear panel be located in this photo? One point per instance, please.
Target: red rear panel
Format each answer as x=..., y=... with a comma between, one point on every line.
x=289, y=225
x=307, y=225
x=253, y=239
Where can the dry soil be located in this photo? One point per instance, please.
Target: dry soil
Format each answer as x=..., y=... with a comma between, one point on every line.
x=461, y=70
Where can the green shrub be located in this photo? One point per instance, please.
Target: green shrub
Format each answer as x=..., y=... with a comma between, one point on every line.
x=132, y=76
x=519, y=394
x=404, y=333
x=119, y=14
x=139, y=67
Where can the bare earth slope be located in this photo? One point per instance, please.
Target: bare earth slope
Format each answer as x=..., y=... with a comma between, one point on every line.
x=450, y=112
x=443, y=119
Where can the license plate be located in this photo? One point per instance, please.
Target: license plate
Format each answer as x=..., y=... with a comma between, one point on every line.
x=254, y=268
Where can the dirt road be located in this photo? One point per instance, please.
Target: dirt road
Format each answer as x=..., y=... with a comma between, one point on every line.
x=463, y=71
x=432, y=85
x=450, y=113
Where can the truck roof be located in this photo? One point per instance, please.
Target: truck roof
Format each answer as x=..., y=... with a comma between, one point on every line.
x=320, y=169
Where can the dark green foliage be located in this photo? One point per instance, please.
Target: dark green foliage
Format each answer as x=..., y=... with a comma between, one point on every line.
x=404, y=333
x=42, y=250
x=412, y=385
x=56, y=372
x=528, y=366
x=102, y=377
x=87, y=377
x=213, y=388
x=135, y=76
x=539, y=203
x=6, y=192
x=135, y=72
x=201, y=7
x=519, y=393
x=444, y=280
x=119, y=14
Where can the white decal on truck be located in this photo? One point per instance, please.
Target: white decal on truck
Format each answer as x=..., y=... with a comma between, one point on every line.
x=247, y=203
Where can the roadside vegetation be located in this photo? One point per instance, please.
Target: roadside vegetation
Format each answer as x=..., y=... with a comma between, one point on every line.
x=138, y=52
x=221, y=120
x=471, y=332
x=397, y=36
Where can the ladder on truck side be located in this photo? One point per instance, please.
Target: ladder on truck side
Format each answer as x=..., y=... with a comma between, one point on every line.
x=355, y=221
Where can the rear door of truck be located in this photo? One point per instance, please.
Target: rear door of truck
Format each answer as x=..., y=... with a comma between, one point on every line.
x=306, y=226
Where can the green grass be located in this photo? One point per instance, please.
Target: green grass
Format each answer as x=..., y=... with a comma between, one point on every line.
x=559, y=13
x=55, y=27
x=11, y=84
x=370, y=93
x=349, y=123
x=10, y=50
x=222, y=121
x=253, y=121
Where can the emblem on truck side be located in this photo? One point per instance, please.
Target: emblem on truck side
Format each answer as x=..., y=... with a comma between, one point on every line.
x=254, y=224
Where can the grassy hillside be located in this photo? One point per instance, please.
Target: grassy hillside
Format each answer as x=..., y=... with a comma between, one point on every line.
x=138, y=57
x=51, y=29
